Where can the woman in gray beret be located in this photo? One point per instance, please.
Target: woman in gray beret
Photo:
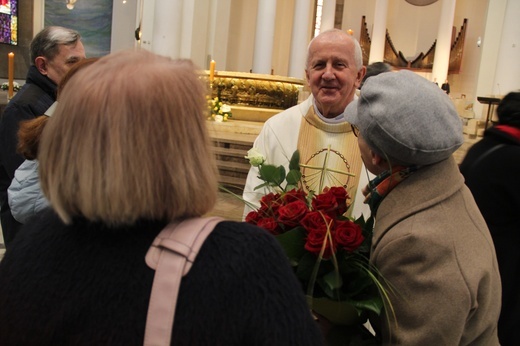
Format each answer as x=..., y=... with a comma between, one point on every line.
x=430, y=241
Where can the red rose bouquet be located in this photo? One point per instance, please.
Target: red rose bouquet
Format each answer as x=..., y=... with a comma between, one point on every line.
x=328, y=250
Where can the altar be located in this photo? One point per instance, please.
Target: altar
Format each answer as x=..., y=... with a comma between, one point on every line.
x=253, y=98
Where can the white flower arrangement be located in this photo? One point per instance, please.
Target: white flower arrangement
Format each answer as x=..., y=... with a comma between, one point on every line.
x=16, y=86
x=218, y=111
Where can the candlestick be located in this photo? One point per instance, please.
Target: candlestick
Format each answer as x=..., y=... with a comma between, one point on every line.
x=11, y=75
x=212, y=70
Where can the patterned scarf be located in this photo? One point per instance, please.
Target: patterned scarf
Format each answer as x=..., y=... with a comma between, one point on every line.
x=381, y=185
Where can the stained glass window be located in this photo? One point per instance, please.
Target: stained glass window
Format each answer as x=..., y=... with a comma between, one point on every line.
x=9, y=21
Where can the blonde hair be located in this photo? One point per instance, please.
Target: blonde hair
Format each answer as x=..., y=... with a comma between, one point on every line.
x=128, y=141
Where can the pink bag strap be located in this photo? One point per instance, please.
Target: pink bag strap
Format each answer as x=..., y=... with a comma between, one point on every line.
x=171, y=255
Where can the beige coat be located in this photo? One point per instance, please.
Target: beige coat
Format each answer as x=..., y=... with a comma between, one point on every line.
x=432, y=244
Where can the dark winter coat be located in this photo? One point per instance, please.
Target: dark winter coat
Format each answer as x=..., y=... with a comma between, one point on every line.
x=88, y=284
x=35, y=97
x=495, y=184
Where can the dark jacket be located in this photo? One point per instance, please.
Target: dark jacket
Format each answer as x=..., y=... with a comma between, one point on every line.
x=88, y=284
x=38, y=94
x=495, y=184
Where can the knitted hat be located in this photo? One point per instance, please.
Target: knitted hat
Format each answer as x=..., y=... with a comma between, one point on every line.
x=407, y=119
x=508, y=110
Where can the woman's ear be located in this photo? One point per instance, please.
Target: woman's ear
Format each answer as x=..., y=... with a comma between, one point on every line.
x=41, y=64
x=375, y=158
x=378, y=160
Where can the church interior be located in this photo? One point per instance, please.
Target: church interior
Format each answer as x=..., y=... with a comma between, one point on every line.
x=253, y=52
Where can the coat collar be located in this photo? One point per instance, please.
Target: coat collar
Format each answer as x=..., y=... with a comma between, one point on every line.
x=493, y=132
x=47, y=85
x=426, y=187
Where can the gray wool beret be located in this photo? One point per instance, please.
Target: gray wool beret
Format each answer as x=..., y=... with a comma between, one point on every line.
x=407, y=119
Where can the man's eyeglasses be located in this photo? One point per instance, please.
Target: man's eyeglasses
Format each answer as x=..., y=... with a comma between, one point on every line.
x=355, y=130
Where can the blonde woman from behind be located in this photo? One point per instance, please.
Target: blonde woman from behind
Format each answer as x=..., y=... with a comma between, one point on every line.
x=125, y=153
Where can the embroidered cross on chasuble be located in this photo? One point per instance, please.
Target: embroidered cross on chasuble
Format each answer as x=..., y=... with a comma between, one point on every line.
x=329, y=155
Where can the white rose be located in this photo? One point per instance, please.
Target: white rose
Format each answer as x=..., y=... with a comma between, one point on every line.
x=219, y=118
x=255, y=157
x=225, y=108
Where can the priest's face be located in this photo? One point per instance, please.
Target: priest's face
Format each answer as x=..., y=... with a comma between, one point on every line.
x=332, y=73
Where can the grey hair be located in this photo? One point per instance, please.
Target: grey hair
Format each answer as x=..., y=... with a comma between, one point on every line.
x=358, y=54
x=47, y=42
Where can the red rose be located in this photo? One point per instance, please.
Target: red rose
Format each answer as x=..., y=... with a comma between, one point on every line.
x=317, y=224
x=315, y=220
x=325, y=202
x=270, y=203
x=291, y=214
x=341, y=196
x=269, y=224
x=294, y=195
x=270, y=198
x=316, y=239
x=348, y=235
x=253, y=217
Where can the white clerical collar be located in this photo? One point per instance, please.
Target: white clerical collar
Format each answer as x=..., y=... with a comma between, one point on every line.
x=336, y=120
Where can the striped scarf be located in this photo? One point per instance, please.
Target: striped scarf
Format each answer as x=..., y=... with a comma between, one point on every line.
x=381, y=185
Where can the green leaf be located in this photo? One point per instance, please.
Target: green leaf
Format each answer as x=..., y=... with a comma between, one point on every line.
x=360, y=221
x=293, y=243
x=337, y=312
x=290, y=187
x=360, y=280
x=359, y=284
x=369, y=227
x=267, y=172
x=333, y=280
x=260, y=186
x=293, y=177
x=272, y=174
x=295, y=161
x=374, y=304
x=280, y=175
x=306, y=265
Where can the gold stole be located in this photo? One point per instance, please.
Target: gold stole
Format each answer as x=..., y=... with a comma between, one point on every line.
x=327, y=152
